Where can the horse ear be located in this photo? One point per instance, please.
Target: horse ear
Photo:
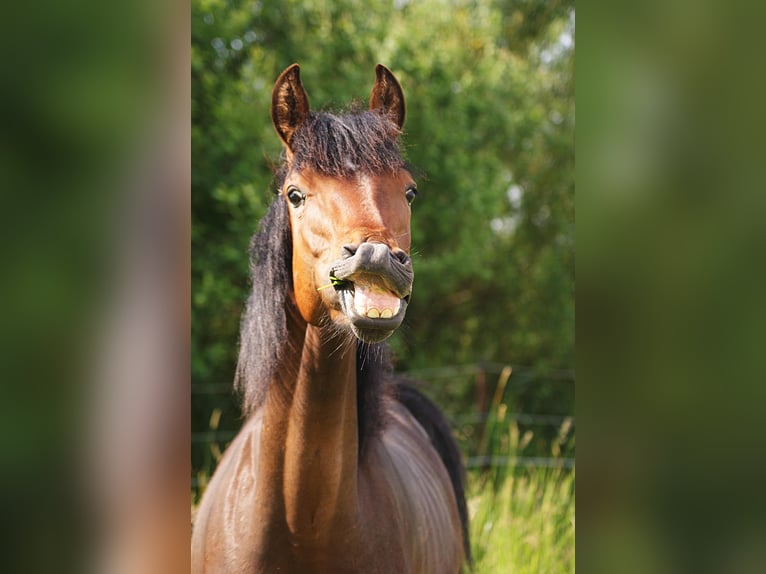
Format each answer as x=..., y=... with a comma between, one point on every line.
x=289, y=104
x=387, y=95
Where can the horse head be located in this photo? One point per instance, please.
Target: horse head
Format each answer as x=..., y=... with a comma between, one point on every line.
x=348, y=193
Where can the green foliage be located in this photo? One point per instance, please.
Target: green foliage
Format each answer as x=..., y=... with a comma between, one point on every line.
x=490, y=126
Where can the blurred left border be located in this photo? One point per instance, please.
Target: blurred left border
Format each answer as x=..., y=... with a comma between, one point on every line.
x=95, y=289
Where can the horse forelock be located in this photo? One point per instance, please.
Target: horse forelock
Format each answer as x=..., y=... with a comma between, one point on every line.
x=346, y=143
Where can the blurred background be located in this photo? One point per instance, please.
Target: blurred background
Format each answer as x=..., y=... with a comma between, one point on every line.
x=95, y=299
x=94, y=296
x=489, y=86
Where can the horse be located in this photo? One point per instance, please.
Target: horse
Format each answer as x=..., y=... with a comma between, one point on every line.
x=340, y=466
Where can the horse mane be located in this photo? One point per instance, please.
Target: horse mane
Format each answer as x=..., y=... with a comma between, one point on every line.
x=375, y=388
x=263, y=340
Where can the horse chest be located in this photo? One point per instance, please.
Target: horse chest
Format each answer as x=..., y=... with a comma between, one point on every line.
x=403, y=497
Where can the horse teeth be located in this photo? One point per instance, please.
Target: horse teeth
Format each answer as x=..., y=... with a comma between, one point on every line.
x=373, y=313
x=386, y=314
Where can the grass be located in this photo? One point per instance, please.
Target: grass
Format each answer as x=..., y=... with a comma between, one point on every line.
x=522, y=518
x=523, y=521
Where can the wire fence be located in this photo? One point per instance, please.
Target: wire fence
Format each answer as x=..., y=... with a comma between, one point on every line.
x=518, y=461
x=484, y=417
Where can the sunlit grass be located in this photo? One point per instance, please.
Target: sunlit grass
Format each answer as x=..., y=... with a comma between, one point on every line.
x=523, y=521
x=522, y=518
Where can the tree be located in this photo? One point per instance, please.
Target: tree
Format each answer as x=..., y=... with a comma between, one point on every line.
x=490, y=128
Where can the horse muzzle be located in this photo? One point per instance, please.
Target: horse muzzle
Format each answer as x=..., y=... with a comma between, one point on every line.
x=374, y=284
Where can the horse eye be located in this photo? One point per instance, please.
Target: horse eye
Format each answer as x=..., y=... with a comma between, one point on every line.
x=295, y=196
x=411, y=193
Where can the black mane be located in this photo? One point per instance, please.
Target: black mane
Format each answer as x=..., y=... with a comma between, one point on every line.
x=263, y=329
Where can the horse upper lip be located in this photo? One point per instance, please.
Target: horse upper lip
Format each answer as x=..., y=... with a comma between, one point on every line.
x=374, y=263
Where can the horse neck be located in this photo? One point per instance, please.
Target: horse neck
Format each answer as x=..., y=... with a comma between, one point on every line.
x=309, y=445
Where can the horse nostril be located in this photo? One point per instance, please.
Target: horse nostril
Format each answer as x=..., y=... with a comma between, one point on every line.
x=401, y=256
x=348, y=251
